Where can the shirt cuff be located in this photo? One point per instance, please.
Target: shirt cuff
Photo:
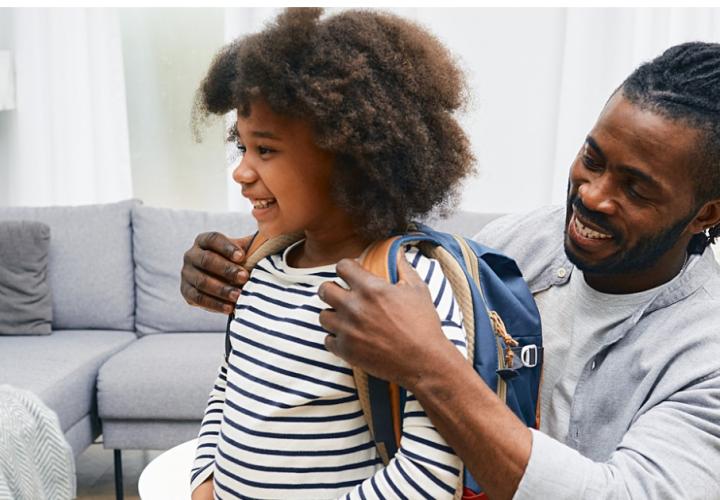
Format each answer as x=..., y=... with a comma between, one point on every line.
x=205, y=473
x=553, y=471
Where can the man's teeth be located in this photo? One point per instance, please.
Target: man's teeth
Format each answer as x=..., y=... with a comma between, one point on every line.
x=585, y=231
x=262, y=203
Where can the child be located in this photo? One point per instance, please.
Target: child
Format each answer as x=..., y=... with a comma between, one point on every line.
x=346, y=129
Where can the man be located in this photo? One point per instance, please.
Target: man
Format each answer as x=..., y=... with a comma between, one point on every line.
x=628, y=291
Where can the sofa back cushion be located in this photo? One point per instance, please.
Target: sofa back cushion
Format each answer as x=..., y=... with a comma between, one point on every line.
x=90, y=267
x=160, y=238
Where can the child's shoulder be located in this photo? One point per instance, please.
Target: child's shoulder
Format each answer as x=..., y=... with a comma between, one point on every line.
x=428, y=268
x=441, y=291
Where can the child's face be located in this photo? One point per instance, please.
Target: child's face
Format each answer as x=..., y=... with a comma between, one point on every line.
x=283, y=173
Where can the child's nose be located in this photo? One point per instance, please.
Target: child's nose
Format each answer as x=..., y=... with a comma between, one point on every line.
x=244, y=173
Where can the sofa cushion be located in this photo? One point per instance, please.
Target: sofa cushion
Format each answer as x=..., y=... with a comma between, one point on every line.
x=160, y=238
x=164, y=376
x=148, y=434
x=90, y=269
x=60, y=368
x=25, y=301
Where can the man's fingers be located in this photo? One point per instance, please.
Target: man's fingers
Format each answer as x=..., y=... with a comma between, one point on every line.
x=328, y=320
x=356, y=276
x=332, y=294
x=243, y=243
x=209, y=285
x=221, y=244
x=331, y=344
x=333, y=340
x=210, y=262
x=195, y=297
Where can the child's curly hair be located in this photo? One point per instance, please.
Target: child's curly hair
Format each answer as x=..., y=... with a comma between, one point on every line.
x=379, y=92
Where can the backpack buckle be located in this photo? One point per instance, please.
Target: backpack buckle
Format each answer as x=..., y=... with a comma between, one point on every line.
x=529, y=356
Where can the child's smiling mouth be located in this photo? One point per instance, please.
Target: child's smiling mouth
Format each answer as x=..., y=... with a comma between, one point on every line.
x=263, y=203
x=263, y=208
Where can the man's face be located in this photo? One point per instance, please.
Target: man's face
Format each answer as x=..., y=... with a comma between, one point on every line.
x=630, y=196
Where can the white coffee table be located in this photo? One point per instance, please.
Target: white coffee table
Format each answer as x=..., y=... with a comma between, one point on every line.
x=167, y=477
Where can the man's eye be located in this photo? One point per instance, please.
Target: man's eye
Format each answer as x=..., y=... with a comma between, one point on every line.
x=634, y=193
x=590, y=163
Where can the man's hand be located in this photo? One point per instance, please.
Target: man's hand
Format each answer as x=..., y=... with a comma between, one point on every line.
x=390, y=331
x=212, y=276
x=394, y=333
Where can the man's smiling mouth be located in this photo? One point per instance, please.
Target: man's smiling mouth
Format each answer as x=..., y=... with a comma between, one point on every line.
x=586, y=232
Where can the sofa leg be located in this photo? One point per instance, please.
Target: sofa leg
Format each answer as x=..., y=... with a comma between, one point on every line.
x=118, y=475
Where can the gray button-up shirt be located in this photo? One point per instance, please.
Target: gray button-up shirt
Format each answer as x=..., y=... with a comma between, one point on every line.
x=645, y=418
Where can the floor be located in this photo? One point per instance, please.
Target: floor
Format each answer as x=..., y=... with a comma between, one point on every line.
x=96, y=472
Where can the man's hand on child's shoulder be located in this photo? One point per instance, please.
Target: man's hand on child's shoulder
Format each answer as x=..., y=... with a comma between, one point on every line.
x=391, y=331
x=212, y=275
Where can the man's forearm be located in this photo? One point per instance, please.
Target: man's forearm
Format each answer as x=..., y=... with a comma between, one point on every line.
x=373, y=321
x=492, y=442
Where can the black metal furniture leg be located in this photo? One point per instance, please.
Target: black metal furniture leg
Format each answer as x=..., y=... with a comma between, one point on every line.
x=118, y=475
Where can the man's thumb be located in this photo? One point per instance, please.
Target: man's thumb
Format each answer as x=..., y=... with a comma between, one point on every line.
x=406, y=273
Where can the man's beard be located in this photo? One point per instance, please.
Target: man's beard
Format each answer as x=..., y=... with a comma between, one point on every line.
x=640, y=257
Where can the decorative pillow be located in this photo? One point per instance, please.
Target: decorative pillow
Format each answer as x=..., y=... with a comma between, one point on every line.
x=25, y=300
x=91, y=268
x=160, y=238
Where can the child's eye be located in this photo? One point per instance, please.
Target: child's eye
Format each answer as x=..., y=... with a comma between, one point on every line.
x=264, y=151
x=240, y=147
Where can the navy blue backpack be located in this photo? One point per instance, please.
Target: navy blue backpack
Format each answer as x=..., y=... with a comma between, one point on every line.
x=499, y=314
x=500, y=318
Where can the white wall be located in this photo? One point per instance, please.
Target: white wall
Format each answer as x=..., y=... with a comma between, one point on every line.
x=511, y=58
x=166, y=53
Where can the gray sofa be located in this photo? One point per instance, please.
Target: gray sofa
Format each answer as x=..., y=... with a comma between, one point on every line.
x=127, y=357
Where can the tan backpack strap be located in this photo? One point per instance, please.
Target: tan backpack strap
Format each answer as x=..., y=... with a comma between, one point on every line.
x=463, y=297
x=261, y=247
x=375, y=260
x=460, y=288
x=495, y=320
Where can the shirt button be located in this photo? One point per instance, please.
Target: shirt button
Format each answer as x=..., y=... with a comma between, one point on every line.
x=561, y=272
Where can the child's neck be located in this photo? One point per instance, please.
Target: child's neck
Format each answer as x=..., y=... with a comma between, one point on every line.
x=325, y=248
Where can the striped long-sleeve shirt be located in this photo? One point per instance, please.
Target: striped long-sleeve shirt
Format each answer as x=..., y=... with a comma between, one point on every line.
x=284, y=420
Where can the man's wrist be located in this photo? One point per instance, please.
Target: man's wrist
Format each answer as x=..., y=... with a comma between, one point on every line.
x=439, y=375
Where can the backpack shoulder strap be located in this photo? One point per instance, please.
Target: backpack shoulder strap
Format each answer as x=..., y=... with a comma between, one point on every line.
x=260, y=247
x=380, y=400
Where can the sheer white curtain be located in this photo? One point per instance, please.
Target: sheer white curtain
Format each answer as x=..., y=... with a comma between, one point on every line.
x=67, y=139
x=538, y=79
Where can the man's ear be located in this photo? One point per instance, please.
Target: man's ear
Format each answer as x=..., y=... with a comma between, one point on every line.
x=707, y=217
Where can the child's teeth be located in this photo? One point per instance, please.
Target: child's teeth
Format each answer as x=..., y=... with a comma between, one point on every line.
x=263, y=203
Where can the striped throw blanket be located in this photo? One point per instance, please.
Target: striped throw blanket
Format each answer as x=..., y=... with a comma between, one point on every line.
x=36, y=462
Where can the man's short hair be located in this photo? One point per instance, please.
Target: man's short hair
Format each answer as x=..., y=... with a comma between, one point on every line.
x=684, y=84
